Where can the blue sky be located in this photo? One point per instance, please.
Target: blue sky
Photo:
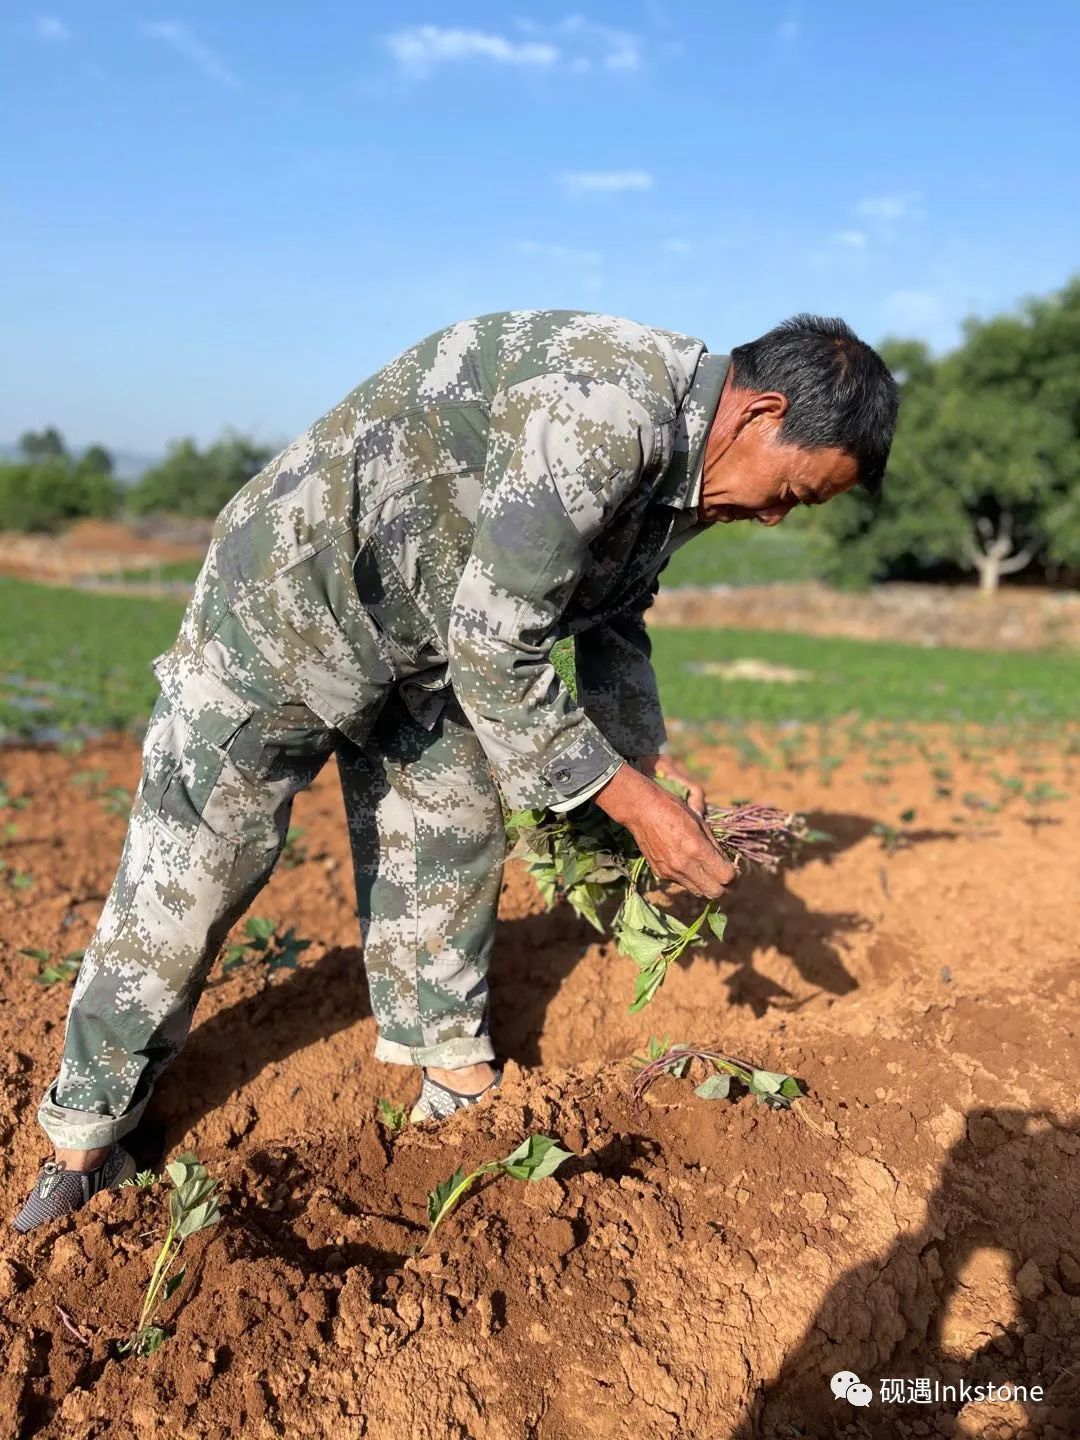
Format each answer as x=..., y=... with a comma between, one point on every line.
x=229, y=213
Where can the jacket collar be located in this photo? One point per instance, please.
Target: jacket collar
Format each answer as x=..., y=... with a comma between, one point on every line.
x=680, y=485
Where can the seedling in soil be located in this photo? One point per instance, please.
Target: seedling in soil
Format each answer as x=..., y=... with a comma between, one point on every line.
x=391, y=1116
x=16, y=879
x=116, y=801
x=192, y=1208
x=295, y=851
x=55, y=972
x=142, y=1181
x=771, y=1088
x=12, y=802
x=264, y=944
x=893, y=837
x=539, y=1157
x=587, y=859
x=89, y=779
x=1037, y=796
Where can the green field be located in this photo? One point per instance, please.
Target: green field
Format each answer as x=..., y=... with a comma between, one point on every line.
x=746, y=555
x=76, y=661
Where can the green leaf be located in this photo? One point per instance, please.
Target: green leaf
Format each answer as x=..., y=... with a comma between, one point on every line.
x=42, y=955
x=774, y=1089
x=260, y=928
x=173, y=1283
x=437, y=1198
x=717, y=923
x=149, y=1339
x=178, y=1170
x=645, y=950
x=539, y=1157
x=646, y=984
x=391, y=1115
x=716, y=1087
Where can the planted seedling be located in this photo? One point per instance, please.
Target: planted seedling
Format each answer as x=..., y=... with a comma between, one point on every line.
x=771, y=1088
x=587, y=859
x=192, y=1207
x=1038, y=796
x=55, y=972
x=142, y=1181
x=12, y=802
x=893, y=837
x=16, y=879
x=116, y=801
x=391, y=1116
x=265, y=945
x=539, y=1157
x=295, y=851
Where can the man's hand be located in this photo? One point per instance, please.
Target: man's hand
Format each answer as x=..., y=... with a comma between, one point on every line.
x=674, y=840
x=663, y=766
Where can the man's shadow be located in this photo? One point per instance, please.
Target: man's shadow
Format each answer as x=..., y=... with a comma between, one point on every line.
x=986, y=1291
x=535, y=954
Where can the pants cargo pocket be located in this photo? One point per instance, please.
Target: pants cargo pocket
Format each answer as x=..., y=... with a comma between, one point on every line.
x=195, y=725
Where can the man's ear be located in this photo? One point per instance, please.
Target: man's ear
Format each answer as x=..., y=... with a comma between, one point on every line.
x=769, y=404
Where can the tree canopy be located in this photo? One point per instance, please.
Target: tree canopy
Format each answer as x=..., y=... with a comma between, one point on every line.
x=195, y=482
x=985, y=471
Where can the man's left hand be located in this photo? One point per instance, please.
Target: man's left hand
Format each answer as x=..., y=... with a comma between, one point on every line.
x=664, y=767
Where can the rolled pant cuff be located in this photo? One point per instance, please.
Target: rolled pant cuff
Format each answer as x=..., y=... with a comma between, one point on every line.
x=448, y=1055
x=83, y=1129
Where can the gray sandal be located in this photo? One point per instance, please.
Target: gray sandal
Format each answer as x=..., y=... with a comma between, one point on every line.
x=436, y=1102
x=58, y=1191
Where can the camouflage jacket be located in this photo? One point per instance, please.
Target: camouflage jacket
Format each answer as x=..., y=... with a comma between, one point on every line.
x=509, y=480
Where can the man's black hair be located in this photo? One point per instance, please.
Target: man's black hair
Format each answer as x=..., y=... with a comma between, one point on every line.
x=840, y=393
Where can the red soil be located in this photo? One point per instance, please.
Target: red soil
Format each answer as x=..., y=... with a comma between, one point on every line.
x=703, y=1268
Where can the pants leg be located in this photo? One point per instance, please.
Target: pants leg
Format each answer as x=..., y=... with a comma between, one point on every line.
x=209, y=821
x=426, y=827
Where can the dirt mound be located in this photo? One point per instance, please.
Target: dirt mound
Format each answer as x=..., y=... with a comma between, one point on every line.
x=702, y=1268
x=1019, y=617
x=97, y=547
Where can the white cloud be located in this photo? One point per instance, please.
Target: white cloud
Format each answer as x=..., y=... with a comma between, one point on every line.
x=419, y=48
x=854, y=239
x=49, y=27
x=561, y=254
x=582, y=182
x=788, y=31
x=888, y=208
x=574, y=44
x=183, y=40
x=920, y=311
x=599, y=45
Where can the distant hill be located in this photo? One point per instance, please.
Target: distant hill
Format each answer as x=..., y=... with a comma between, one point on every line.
x=128, y=465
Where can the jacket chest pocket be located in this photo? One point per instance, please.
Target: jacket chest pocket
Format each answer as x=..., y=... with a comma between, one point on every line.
x=403, y=627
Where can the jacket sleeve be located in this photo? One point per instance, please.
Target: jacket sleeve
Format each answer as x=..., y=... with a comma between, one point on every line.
x=617, y=683
x=564, y=452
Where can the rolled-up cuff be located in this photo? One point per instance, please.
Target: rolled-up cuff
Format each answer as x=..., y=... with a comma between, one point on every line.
x=447, y=1055
x=560, y=807
x=83, y=1129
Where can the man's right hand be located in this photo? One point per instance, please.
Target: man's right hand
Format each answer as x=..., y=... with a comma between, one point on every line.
x=676, y=842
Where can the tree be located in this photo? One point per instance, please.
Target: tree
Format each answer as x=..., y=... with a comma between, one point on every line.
x=97, y=460
x=198, y=483
x=46, y=494
x=47, y=444
x=984, y=471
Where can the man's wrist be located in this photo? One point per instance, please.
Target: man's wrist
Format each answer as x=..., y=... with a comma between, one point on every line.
x=618, y=796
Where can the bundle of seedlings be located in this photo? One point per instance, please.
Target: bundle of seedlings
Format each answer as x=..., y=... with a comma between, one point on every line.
x=588, y=860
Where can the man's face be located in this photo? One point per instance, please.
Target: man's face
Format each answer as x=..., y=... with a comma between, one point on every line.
x=758, y=476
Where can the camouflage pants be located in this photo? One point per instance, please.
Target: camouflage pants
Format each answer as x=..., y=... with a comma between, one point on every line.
x=210, y=818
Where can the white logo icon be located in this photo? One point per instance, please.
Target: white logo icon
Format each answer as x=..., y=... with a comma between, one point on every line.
x=846, y=1385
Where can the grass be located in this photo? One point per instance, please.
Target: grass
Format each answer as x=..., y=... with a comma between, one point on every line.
x=861, y=678
x=75, y=661
x=745, y=555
